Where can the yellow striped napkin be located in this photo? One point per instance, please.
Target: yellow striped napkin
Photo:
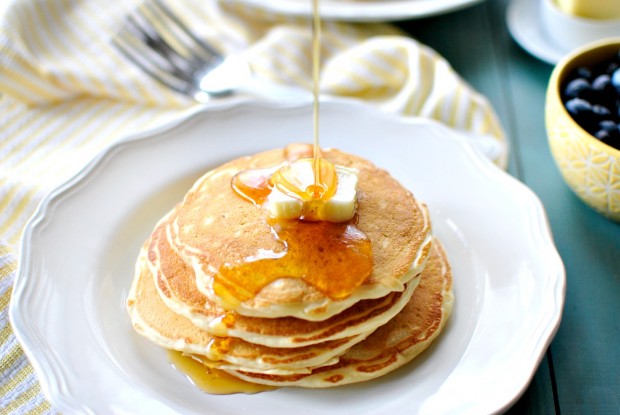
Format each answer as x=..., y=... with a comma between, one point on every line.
x=66, y=93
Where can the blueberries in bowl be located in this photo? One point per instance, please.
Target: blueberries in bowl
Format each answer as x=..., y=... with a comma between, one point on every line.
x=591, y=95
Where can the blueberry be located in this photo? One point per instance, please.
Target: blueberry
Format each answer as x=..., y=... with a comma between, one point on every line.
x=615, y=80
x=602, y=135
x=601, y=82
x=577, y=88
x=608, y=125
x=587, y=115
x=601, y=111
x=578, y=106
x=612, y=67
x=582, y=112
x=609, y=133
x=603, y=91
x=591, y=95
x=583, y=72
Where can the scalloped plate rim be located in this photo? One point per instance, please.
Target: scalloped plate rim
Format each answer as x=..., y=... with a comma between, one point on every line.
x=28, y=334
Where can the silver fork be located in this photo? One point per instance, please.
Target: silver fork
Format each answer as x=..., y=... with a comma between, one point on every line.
x=161, y=45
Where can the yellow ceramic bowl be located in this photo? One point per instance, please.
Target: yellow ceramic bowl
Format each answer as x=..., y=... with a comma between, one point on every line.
x=589, y=167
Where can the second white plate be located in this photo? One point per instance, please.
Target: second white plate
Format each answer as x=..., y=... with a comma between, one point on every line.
x=363, y=10
x=527, y=29
x=78, y=255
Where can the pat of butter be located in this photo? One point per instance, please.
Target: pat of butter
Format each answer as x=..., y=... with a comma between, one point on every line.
x=594, y=9
x=339, y=208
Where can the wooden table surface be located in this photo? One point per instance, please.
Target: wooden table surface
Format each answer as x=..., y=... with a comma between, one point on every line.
x=580, y=373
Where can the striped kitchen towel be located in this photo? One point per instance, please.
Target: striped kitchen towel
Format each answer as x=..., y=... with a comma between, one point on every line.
x=66, y=94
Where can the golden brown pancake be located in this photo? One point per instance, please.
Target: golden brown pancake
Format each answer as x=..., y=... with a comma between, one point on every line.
x=214, y=227
x=221, y=281
x=176, y=285
x=390, y=346
x=154, y=320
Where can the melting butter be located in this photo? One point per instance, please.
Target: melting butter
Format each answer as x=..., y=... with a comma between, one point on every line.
x=338, y=207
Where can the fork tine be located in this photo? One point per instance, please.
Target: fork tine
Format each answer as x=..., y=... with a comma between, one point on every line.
x=155, y=40
x=165, y=36
x=156, y=67
x=146, y=50
x=146, y=39
x=178, y=59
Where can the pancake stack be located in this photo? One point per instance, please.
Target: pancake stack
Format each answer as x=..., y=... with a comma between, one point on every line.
x=284, y=302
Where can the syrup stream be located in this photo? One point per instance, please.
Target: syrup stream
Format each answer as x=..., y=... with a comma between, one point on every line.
x=317, y=191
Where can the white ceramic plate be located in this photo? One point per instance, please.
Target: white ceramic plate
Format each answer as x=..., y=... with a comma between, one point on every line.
x=363, y=10
x=78, y=254
x=526, y=27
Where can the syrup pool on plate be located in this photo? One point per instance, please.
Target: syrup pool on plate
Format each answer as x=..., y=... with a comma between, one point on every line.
x=212, y=380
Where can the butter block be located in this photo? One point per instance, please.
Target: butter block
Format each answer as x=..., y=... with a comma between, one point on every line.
x=593, y=9
x=339, y=208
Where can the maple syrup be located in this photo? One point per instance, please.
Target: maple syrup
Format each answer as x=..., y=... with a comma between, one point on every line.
x=334, y=258
x=290, y=180
x=316, y=71
x=210, y=379
x=253, y=185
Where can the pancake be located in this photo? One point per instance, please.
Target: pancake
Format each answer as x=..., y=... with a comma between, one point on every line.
x=392, y=345
x=213, y=227
x=175, y=282
x=154, y=320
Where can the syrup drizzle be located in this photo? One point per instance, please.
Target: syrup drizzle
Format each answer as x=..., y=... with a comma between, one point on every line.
x=317, y=190
x=255, y=185
x=348, y=264
x=290, y=180
x=334, y=258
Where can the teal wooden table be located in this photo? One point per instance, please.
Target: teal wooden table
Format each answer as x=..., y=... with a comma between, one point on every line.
x=580, y=373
